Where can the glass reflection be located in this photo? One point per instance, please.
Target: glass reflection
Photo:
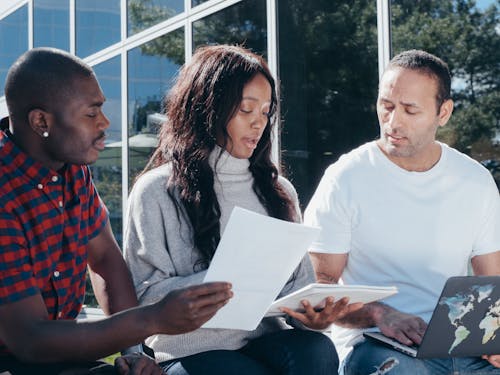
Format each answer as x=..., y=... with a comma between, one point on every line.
x=466, y=36
x=97, y=25
x=197, y=2
x=146, y=13
x=329, y=78
x=243, y=23
x=13, y=40
x=151, y=68
x=107, y=171
x=51, y=23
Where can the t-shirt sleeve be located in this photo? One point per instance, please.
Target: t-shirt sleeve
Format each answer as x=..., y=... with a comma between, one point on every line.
x=488, y=236
x=97, y=211
x=328, y=211
x=292, y=193
x=16, y=274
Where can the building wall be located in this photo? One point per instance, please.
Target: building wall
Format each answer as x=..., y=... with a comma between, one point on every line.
x=327, y=54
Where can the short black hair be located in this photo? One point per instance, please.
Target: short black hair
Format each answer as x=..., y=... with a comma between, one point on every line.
x=42, y=78
x=429, y=64
x=4, y=123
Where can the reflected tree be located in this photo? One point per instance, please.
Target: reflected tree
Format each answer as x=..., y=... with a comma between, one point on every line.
x=468, y=39
x=328, y=69
x=243, y=23
x=144, y=14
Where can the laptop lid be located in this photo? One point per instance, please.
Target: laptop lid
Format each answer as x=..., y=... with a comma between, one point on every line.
x=465, y=322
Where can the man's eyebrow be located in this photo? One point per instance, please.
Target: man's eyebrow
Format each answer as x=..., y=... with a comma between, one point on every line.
x=409, y=104
x=97, y=103
x=406, y=104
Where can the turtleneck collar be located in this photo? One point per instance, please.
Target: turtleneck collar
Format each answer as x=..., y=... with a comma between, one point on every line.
x=226, y=163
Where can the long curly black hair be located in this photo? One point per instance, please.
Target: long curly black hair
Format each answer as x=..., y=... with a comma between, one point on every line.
x=206, y=95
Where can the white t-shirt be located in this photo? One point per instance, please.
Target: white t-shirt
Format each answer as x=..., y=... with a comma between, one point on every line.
x=412, y=230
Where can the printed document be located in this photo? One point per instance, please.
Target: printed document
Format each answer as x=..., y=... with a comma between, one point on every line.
x=257, y=254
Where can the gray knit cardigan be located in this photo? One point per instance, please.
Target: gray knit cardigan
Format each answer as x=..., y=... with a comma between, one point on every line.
x=160, y=253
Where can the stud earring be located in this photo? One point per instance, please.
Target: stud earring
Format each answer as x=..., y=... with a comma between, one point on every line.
x=45, y=134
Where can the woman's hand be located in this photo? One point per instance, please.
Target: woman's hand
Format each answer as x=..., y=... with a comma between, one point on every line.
x=321, y=319
x=137, y=364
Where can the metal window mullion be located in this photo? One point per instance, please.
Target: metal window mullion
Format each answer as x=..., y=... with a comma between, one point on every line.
x=272, y=60
x=384, y=35
x=188, y=32
x=72, y=27
x=124, y=127
x=30, y=24
x=124, y=110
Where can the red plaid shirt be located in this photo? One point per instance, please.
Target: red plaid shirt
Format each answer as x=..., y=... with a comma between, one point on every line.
x=46, y=221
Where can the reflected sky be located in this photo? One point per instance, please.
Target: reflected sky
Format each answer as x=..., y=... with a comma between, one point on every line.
x=13, y=40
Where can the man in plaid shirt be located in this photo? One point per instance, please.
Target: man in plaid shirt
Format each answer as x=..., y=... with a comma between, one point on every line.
x=53, y=225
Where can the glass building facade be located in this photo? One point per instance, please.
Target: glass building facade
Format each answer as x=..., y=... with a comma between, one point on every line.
x=327, y=55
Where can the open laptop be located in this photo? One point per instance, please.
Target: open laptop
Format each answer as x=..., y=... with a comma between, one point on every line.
x=465, y=322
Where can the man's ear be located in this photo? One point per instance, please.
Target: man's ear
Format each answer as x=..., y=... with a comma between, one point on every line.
x=445, y=112
x=40, y=121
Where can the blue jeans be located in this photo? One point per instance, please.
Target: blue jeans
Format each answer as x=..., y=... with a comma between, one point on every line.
x=291, y=351
x=370, y=358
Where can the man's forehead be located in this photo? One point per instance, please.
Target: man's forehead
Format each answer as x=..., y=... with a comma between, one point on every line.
x=400, y=81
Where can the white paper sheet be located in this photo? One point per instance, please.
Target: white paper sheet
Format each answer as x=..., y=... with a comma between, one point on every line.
x=257, y=254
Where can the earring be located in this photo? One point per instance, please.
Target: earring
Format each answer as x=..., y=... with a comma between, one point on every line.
x=45, y=134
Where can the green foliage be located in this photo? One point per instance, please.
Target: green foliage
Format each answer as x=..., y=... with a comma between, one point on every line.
x=328, y=70
x=144, y=14
x=468, y=39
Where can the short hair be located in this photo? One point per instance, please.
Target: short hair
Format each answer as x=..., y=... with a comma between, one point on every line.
x=42, y=78
x=429, y=64
x=4, y=123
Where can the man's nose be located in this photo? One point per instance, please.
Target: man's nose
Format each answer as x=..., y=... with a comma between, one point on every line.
x=395, y=119
x=103, y=121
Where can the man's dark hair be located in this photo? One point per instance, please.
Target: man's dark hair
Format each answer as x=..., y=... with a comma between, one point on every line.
x=429, y=64
x=42, y=78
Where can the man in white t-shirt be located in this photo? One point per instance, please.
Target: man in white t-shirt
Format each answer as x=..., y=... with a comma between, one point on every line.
x=409, y=211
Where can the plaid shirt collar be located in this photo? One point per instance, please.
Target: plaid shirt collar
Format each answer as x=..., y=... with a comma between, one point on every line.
x=19, y=163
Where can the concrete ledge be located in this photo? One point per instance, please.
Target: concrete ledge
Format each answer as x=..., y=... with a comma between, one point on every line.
x=90, y=313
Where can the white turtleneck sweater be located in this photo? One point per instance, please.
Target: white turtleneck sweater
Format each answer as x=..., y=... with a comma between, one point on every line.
x=159, y=250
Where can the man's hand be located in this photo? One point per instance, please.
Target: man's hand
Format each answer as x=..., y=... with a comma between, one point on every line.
x=407, y=329
x=323, y=318
x=493, y=359
x=184, y=310
x=137, y=364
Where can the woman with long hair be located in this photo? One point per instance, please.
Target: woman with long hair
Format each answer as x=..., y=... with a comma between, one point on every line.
x=214, y=153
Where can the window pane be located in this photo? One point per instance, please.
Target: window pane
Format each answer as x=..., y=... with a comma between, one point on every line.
x=151, y=68
x=243, y=23
x=97, y=25
x=13, y=40
x=107, y=171
x=197, y=2
x=329, y=77
x=51, y=24
x=467, y=38
x=146, y=13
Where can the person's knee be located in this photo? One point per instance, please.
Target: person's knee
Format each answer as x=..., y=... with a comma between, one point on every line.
x=368, y=359
x=321, y=348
